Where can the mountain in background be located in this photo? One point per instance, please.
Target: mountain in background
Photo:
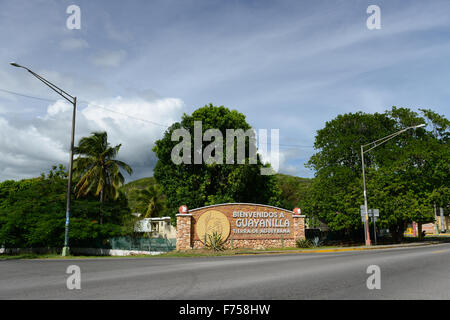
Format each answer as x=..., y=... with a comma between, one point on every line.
x=293, y=189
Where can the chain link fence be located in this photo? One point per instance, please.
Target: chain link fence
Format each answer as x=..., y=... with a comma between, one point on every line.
x=141, y=244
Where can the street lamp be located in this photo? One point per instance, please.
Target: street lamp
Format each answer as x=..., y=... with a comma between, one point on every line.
x=373, y=145
x=73, y=101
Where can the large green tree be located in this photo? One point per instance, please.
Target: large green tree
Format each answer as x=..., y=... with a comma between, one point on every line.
x=404, y=175
x=203, y=184
x=32, y=214
x=97, y=170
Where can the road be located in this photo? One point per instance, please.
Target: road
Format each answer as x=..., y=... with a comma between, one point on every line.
x=406, y=273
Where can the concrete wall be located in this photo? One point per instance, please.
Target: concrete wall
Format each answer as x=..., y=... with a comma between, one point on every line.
x=110, y=252
x=78, y=251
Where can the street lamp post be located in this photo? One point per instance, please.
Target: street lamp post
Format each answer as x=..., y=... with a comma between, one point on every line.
x=371, y=146
x=73, y=101
x=366, y=216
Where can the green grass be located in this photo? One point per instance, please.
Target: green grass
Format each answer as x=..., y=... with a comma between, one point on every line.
x=58, y=256
x=171, y=254
x=28, y=256
x=188, y=253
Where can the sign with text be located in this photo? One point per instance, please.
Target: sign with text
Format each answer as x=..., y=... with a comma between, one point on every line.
x=243, y=221
x=239, y=225
x=373, y=213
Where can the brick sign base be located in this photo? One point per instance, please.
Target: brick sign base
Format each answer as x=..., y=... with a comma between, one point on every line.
x=242, y=225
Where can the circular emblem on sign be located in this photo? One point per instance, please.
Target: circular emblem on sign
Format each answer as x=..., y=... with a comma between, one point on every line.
x=298, y=211
x=212, y=221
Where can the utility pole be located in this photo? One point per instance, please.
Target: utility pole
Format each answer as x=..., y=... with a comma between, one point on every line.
x=66, y=249
x=372, y=146
x=366, y=216
x=436, y=222
x=374, y=226
x=73, y=101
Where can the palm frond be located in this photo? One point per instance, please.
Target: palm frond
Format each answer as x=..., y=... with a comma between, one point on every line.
x=96, y=167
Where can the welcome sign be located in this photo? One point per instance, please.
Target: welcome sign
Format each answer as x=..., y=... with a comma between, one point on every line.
x=261, y=222
x=241, y=225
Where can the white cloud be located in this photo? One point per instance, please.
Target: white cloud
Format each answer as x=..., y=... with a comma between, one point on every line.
x=136, y=136
x=114, y=33
x=109, y=59
x=27, y=150
x=74, y=44
x=282, y=157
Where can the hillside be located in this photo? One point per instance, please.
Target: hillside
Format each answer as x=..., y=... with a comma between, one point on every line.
x=293, y=189
x=138, y=184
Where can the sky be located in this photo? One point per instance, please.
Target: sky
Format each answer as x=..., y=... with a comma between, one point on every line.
x=137, y=66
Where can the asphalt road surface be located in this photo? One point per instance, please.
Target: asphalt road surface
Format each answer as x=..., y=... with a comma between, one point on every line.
x=406, y=273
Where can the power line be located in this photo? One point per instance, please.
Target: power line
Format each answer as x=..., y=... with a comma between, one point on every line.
x=123, y=114
x=27, y=96
x=86, y=102
x=295, y=145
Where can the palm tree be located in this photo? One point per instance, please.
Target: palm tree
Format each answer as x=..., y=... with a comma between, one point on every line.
x=149, y=201
x=97, y=169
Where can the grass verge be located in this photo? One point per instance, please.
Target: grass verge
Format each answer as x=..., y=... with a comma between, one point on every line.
x=188, y=253
x=171, y=254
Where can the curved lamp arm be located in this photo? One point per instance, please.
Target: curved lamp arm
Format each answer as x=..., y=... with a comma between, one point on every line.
x=58, y=90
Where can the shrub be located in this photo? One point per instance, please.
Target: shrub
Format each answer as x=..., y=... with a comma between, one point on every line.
x=215, y=242
x=32, y=215
x=303, y=243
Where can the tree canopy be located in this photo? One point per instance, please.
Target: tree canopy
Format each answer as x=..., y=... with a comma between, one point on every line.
x=203, y=184
x=97, y=170
x=32, y=214
x=149, y=201
x=405, y=176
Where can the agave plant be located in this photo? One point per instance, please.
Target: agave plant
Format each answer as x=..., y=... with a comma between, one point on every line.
x=215, y=242
x=303, y=243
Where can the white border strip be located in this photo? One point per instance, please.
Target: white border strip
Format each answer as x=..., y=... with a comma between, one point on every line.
x=240, y=203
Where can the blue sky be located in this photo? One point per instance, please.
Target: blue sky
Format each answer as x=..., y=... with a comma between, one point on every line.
x=288, y=65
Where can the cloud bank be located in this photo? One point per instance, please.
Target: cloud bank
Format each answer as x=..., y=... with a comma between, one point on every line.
x=31, y=147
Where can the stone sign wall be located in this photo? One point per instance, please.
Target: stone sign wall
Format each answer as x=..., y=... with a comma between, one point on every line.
x=241, y=225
